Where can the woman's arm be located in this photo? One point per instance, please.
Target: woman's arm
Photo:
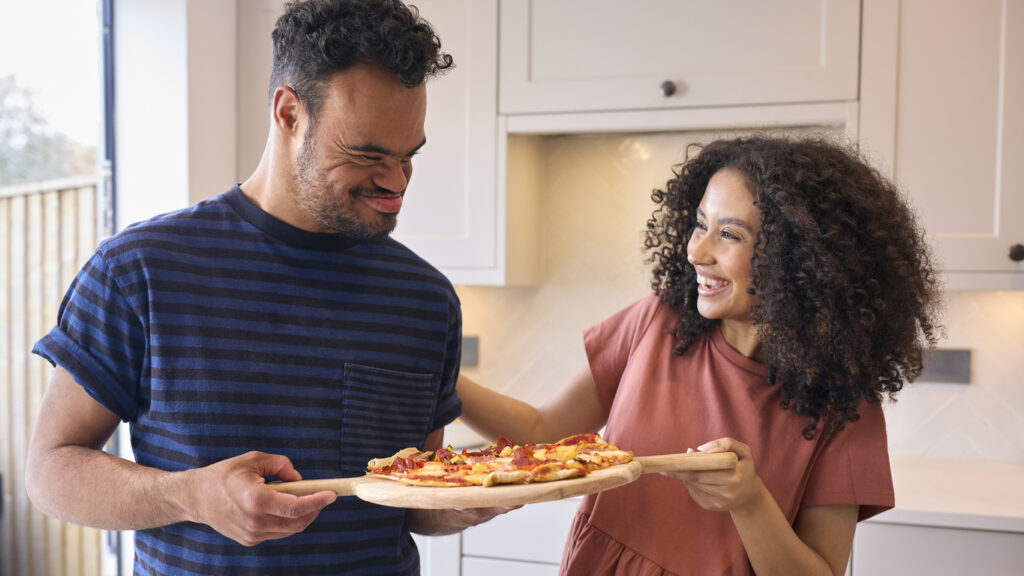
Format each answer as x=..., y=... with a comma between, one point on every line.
x=820, y=542
x=574, y=409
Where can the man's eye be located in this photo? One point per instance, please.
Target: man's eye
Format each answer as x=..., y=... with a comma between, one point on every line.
x=370, y=158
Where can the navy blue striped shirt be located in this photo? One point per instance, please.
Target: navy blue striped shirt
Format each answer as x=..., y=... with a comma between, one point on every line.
x=218, y=329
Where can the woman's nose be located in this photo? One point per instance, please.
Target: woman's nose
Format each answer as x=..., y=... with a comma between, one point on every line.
x=697, y=250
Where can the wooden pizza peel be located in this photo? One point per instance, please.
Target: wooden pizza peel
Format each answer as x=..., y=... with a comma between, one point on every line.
x=398, y=495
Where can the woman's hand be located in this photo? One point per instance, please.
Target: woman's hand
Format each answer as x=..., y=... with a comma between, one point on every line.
x=724, y=490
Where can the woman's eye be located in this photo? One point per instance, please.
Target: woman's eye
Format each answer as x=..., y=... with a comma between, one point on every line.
x=729, y=235
x=700, y=225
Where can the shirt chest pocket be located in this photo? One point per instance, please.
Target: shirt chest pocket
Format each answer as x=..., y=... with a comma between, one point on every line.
x=383, y=411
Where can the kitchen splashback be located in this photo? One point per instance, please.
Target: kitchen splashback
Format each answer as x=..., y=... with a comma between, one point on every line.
x=595, y=203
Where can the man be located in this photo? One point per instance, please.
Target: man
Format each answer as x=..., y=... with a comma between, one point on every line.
x=272, y=332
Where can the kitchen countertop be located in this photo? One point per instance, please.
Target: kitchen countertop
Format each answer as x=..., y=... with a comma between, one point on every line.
x=957, y=493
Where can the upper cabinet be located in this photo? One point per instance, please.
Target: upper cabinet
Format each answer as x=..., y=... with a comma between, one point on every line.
x=453, y=215
x=942, y=107
x=607, y=55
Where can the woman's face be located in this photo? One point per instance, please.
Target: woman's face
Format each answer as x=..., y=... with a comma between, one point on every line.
x=721, y=246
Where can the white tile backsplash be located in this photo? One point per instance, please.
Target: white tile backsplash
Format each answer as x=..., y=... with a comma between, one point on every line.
x=595, y=202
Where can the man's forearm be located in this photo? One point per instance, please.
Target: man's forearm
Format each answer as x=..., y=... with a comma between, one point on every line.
x=93, y=488
x=441, y=522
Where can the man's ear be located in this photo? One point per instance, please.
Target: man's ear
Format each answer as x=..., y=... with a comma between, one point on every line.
x=286, y=111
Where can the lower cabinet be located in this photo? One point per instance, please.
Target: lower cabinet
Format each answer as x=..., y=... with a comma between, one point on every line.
x=489, y=567
x=528, y=540
x=883, y=549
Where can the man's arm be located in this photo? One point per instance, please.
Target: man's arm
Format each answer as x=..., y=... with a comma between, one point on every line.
x=440, y=522
x=68, y=476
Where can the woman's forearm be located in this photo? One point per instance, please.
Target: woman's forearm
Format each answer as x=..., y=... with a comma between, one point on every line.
x=490, y=413
x=774, y=547
x=575, y=408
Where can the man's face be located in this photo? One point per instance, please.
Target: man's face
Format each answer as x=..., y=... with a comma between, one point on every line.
x=354, y=165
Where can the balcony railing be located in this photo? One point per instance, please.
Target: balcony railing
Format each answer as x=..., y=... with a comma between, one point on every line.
x=47, y=231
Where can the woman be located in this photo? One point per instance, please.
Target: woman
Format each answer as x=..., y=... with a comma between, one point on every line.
x=792, y=291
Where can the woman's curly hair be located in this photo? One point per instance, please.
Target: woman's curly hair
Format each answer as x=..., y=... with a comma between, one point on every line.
x=844, y=293
x=314, y=39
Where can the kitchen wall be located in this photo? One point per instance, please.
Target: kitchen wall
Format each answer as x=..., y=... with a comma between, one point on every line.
x=595, y=201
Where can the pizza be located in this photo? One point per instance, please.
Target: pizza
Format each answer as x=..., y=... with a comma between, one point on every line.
x=501, y=463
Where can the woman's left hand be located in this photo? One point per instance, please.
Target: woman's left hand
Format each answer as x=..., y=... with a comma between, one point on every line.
x=723, y=490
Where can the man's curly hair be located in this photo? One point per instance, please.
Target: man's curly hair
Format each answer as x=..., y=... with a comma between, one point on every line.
x=844, y=293
x=314, y=39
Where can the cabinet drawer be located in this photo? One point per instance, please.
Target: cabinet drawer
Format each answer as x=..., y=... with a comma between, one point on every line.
x=487, y=567
x=899, y=549
x=593, y=55
x=535, y=532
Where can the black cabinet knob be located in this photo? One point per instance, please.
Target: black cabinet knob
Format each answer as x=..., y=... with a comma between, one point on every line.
x=1017, y=252
x=668, y=87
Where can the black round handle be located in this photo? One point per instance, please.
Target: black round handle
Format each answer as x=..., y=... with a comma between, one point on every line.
x=1017, y=252
x=668, y=87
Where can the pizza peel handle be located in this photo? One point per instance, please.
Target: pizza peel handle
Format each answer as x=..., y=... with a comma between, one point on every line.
x=340, y=486
x=687, y=462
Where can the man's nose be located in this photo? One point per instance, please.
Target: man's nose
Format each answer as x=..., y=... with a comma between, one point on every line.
x=393, y=177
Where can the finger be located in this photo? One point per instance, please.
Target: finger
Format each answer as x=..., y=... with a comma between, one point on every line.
x=277, y=465
x=726, y=444
x=289, y=506
x=717, y=445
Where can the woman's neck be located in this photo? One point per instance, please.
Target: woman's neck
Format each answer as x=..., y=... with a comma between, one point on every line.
x=743, y=338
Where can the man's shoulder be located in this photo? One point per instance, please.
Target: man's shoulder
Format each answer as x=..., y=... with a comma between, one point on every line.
x=404, y=260
x=213, y=212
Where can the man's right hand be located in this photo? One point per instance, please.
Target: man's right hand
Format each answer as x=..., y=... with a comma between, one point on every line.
x=232, y=497
x=69, y=476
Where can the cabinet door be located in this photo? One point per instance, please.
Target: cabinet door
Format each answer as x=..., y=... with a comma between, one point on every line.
x=533, y=533
x=489, y=567
x=943, y=107
x=898, y=549
x=449, y=215
x=588, y=55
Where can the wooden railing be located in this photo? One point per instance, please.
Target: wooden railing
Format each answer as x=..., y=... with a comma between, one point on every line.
x=47, y=231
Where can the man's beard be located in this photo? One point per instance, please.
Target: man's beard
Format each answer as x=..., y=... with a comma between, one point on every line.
x=317, y=199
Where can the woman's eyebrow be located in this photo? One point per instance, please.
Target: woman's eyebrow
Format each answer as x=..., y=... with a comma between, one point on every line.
x=727, y=220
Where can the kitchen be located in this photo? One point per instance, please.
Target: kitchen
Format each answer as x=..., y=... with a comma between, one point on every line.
x=552, y=243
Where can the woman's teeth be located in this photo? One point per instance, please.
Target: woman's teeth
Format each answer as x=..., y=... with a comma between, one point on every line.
x=709, y=283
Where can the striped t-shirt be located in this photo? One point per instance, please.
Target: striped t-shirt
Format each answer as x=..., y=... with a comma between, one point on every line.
x=218, y=329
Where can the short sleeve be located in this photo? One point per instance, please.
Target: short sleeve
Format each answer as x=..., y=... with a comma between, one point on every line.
x=98, y=339
x=449, y=407
x=853, y=467
x=610, y=343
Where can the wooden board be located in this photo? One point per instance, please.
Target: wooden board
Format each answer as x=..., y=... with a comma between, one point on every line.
x=394, y=493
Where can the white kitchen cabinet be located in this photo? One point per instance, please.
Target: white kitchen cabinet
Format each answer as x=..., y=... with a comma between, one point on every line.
x=882, y=549
x=942, y=107
x=455, y=215
x=488, y=567
x=604, y=55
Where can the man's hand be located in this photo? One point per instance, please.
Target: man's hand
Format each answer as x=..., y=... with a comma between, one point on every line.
x=232, y=497
x=440, y=522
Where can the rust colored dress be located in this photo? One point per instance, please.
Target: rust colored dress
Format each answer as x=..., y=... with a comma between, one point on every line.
x=659, y=404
